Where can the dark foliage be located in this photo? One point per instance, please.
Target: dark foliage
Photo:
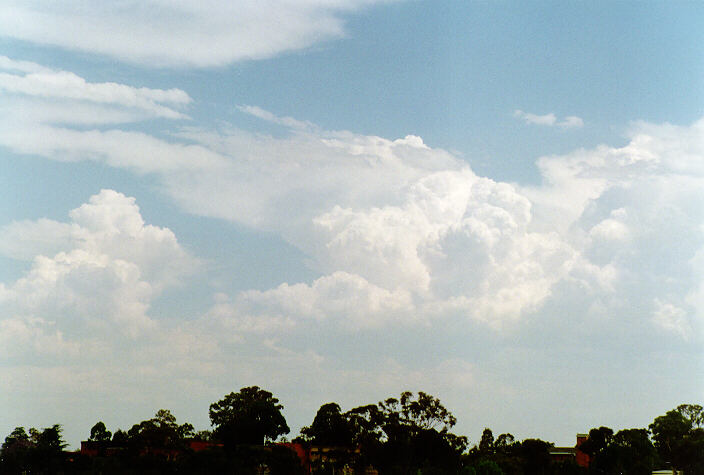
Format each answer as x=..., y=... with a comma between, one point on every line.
x=42, y=451
x=250, y=416
x=679, y=438
x=330, y=427
x=405, y=435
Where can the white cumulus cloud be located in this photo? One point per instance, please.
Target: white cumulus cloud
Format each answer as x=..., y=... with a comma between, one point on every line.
x=671, y=318
x=346, y=298
x=111, y=266
x=400, y=221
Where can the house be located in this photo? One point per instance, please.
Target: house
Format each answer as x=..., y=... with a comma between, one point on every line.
x=559, y=454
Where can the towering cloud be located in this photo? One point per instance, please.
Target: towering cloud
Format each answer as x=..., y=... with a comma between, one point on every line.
x=98, y=275
x=411, y=232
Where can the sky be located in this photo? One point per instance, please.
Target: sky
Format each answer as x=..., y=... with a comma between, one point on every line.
x=499, y=203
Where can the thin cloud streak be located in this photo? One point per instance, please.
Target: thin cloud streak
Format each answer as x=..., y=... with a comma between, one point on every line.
x=47, y=84
x=550, y=120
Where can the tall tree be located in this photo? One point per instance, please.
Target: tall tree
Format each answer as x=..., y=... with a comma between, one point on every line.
x=416, y=433
x=679, y=437
x=633, y=453
x=47, y=454
x=160, y=431
x=535, y=456
x=421, y=411
x=694, y=413
x=15, y=451
x=628, y=452
x=330, y=427
x=250, y=416
x=17, y=438
x=50, y=439
x=486, y=444
x=99, y=433
x=504, y=442
x=597, y=441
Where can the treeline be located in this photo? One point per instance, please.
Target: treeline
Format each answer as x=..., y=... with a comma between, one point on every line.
x=411, y=434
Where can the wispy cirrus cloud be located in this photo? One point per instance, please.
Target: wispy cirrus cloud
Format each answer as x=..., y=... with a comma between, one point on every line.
x=569, y=122
x=178, y=33
x=269, y=117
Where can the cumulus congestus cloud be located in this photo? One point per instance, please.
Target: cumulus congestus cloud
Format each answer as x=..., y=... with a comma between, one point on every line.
x=89, y=278
x=422, y=272
x=399, y=231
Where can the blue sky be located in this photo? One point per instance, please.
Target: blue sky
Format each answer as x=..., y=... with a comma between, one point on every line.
x=499, y=203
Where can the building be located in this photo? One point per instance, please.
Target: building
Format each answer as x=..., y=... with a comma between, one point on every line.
x=560, y=454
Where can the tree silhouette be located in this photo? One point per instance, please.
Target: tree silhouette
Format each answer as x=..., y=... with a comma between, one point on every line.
x=679, y=437
x=330, y=427
x=99, y=433
x=250, y=416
